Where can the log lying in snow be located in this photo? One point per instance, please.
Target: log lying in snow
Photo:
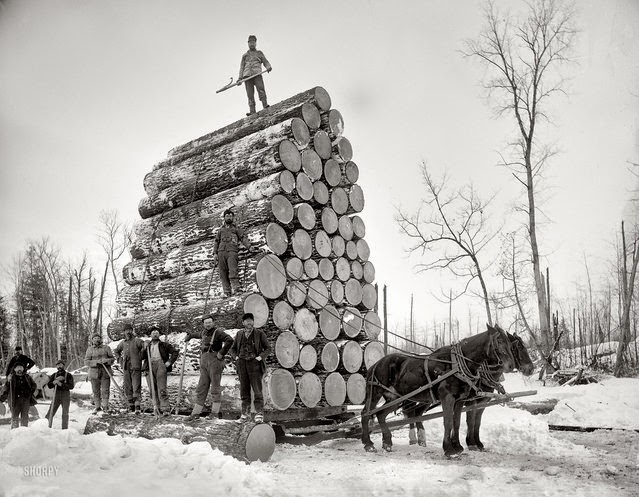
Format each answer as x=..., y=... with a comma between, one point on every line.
x=316, y=98
x=237, y=151
x=222, y=177
x=246, y=442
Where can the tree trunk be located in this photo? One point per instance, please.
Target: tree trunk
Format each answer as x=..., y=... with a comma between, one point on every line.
x=373, y=352
x=305, y=325
x=351, y=356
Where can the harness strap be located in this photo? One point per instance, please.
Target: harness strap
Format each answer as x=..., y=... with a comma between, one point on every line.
x=432, y=395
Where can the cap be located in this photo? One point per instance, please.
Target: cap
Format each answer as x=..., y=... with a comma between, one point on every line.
x=128, y=326
x=247, y=315
x=18, y=347
x=97, y=335
x=59, y=361
x=207, y=316
x=154, y=327
x=229, y=211
x=252, y=38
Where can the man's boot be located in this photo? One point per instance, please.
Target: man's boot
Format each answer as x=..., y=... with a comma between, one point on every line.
x=215, y=411
x=264, y=104
x=131, y=407
x=251, y=109
x=195, y=413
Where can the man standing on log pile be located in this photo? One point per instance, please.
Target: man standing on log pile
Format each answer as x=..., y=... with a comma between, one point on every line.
x=249, y=349
x=129, y=353
x=62, y=383
x=19, y=389
x=251, y=65
x=214, y=345
x=225, y=247
x=99, y=359
x=163, y=355
x=19, y=358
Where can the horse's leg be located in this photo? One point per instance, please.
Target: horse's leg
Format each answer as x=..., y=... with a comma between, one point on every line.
x=387, y=438
x=448, y=406
x=366, y=437
x=457, y=412
x=471, y=419
x=478, y=415
x=421, y=433
x=412, y=438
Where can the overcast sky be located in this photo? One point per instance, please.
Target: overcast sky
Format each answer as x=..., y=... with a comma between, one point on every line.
x=93, y=93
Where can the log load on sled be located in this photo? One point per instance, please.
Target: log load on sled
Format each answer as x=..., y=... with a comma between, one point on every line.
x=287, y=173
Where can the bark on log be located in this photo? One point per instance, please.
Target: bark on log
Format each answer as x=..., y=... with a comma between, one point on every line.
x=320, y=193
x=342, y=150
x=342, y=269
x=316, y=97
x=308, y=357
x=353, y=291
x=222, y=177
x=256, y=305
x=336, y=291
x=373, y=352
x=345, y=227
x=351, y=321
x=369, y=296
x=369, y=272
x=246, y=442
x=330, y=222
x=283, y=315
x=356, y=388
x=351, y=354
x=305, y=325
x=296, y=293
x=302, y=244
x=287, y=349
x=281, y=388
x=326, y=269
x=305, y=216
x=329, y=357
x=276, y=239
x=372, y=325
x=332, y=172
x=329, y=322
x=310, y=389
x=304, y=186
x=335, y=389
x=359, y=228
x=311, y=164
x=322, y=144
x=338, y=246
x=294, y=130
x=333, y=123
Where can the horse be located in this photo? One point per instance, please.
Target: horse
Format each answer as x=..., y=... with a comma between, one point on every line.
x=448, y=375
x=523, y=364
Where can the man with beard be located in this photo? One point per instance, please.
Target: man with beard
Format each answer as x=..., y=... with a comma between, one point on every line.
x=162, y=355
x=99, y=358
x=130, y=353
x=62, y=382
x=251, y=65
x=214, y=345
x=225, y=247
x=19, y=389
x=20, y=358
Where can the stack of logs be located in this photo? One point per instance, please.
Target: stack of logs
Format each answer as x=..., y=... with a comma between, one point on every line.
x=288, y=175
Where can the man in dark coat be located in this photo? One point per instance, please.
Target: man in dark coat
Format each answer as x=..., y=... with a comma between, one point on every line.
x=130, y=353
x=62, y=383
x=250, y=65
x=250, y=348
x=225, y=247
x=214, y=344
x=19, y=390
x=162, y=355
x=19, y=358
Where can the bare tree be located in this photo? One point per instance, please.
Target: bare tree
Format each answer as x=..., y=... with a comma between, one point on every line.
x=114, y=237
x=451, y=228
x=523, y=57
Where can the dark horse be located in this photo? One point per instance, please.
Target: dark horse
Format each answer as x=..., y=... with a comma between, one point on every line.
x=523, y=364
x=453, y=373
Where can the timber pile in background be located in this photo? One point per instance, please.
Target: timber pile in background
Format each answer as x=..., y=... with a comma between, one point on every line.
x=287, y=172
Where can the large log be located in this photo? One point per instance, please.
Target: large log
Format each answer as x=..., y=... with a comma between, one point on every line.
x=312, y=164
x=256, y=305
x=222, y=177
x=329, y=357
x=326, y=269
x=311, y=268
x=322, y=244
x=336, y=291
x=296, y=293
x=309, y=389
x=317, y=295
x=287, y=349
x=373, y=352
x=190, y=169
x=305, y=325
x=308, y=357
x=338, y=246
x=329, y=322
x=321, y=195
x=294, y=268
x=356, y=388
x=351, y=355
x=246, y=442
x=345, y=228
x=304, y=186
x=305, y=216
x=276, y=239
x=333, y=123
x=342, y=269
x=295, y=106
x=369, y=272
x=302, y=244
x=351, y=250
x=332, y=173
x=353, y=292
x=281, y=388
x=330, y=222
x=351, y=321
x=283, y=315
x=335, y=389
x=359, y=228
x=342, y=150
x=372, y=325
x=322, y=144
x=369, y=296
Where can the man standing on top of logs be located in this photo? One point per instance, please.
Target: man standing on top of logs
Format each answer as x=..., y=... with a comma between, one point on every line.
x=251, y=65
x=99, y=358
x=162, y=355
x=62, y=383
x=130, y=353
x=214, y=345
x=249, y=349
x=19, y=358
x=225, y=248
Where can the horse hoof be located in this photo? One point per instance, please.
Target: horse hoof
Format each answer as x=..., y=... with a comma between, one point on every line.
x=473, y=447
x=412, y=442
x=422, y=443
x=387, y=448
x=370, y=448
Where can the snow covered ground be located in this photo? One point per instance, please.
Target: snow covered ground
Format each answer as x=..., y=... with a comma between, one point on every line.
x=524, y=458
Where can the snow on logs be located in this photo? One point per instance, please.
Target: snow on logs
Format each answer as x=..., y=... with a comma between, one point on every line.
x=288, y=174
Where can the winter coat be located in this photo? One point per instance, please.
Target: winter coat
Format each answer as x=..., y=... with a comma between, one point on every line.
x=131, y=352
x=67, y=381
x=214, y=340
x=167, y=352
x=95, y=357
x=26, y=361
x=252, y=62
x=260, y=344
x=19, y=386
x=228, y=238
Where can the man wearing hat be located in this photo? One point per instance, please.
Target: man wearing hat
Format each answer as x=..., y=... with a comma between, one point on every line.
x=99, y=358
x=19, y=358
x=19, y=389
x=162, y=355
x=129, y=354
x=251, y=64
x=225, y=247
x=214, y=344
x=62, y=382
x=249, y=349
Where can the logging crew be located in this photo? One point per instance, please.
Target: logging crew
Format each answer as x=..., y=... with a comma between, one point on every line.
x=249, y=349
x=214, y=345
x=225, y=248
x=62, y=383
x=19, y=358
x=19, y=390
x=99, y=358
x=130, y=353
x=162, y=355
x=251, y=65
